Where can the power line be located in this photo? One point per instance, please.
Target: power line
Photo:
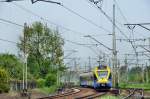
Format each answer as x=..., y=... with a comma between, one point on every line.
x=55, y=24
x=89, y=21
x=44, y=19
x=13, y=23
x=10, y=0
x=121, y=11
x=70, y=10
x=80, y=43
x=109, y=18
x=8, y=41
x=98, y=42
x=10, y=22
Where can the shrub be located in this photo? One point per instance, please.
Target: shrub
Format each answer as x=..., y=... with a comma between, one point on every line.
x=40, y=82
x=4, y=88
x=50, y=79
x=4, y=85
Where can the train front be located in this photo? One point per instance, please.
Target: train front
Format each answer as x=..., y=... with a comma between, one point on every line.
x=102, y=77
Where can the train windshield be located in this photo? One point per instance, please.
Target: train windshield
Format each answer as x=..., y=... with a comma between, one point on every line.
x=102, y=74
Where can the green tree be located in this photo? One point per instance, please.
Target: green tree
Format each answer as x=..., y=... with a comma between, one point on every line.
x=135, y=74
x=4, y=80
x=44, y=48
x=12, y=65
x=50, y=79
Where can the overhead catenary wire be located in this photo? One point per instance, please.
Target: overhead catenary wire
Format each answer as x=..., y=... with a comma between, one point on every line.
x=124, y=17
x=27, y=10
x=88, y=20
x=80, y=43
x=109, y=18
x=8, y=21
x=13, y=23
x=8, y=41
x=44, y=19
x=133, y=43
x=75, y=13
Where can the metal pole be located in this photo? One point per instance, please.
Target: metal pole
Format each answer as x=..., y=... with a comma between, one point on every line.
x=25, y=58
x=26, y=73
x=89, y=63
x=23, y=77
x=114, y=60
x=126, y=64
x=147, y=79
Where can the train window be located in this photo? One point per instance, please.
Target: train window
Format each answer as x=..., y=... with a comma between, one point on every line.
x=110, y=76
x=102, y=74
x=102, y=67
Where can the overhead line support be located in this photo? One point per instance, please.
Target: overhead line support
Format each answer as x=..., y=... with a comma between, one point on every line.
x=140, y=24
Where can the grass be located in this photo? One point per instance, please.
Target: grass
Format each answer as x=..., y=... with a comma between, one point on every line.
x=47, y=90
x=142, y=85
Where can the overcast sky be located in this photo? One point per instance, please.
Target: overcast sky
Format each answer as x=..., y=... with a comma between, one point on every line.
x=135, y=11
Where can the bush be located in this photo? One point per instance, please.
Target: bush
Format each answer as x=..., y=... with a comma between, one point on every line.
x=50, y=80
x=40, y=83
x=4, y=85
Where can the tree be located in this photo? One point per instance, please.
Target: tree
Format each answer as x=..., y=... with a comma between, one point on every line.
x=135, y=74
x=50, y=79
x=4, y=78
x=44, y=48
x=12, y=65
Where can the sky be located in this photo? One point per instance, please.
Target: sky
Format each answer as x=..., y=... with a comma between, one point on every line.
x=135, y=11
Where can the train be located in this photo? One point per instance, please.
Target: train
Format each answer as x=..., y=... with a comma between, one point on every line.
x=99, y=78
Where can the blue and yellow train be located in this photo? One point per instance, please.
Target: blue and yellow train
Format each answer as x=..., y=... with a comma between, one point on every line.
x=100, y=78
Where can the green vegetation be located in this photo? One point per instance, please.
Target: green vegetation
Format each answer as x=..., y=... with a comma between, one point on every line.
x=45, y=58
x=4, y=78
x=135, y=77
x=44, y=49
x=12, y=65
x=50, y=80
x=138, y=85
x=40, y=83
x=135, y=74
x=47, y=90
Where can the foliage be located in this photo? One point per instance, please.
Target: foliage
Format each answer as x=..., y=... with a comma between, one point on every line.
x=147, y=74
x=12, y=65
x=44, y=48
x=47, y=90
x=4, y=79
x=135, y=74
x=4, y=87
x=50, y=79
x=40, y=83
x=135, y=85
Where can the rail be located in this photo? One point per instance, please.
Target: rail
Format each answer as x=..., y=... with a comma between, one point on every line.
x=67, y=93
x=136, y=93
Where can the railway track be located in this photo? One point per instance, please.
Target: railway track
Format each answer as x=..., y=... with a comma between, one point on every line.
x=78, y=93
x=66, y=93
x=92, y=96
x=88, y=93
x=134, y=94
